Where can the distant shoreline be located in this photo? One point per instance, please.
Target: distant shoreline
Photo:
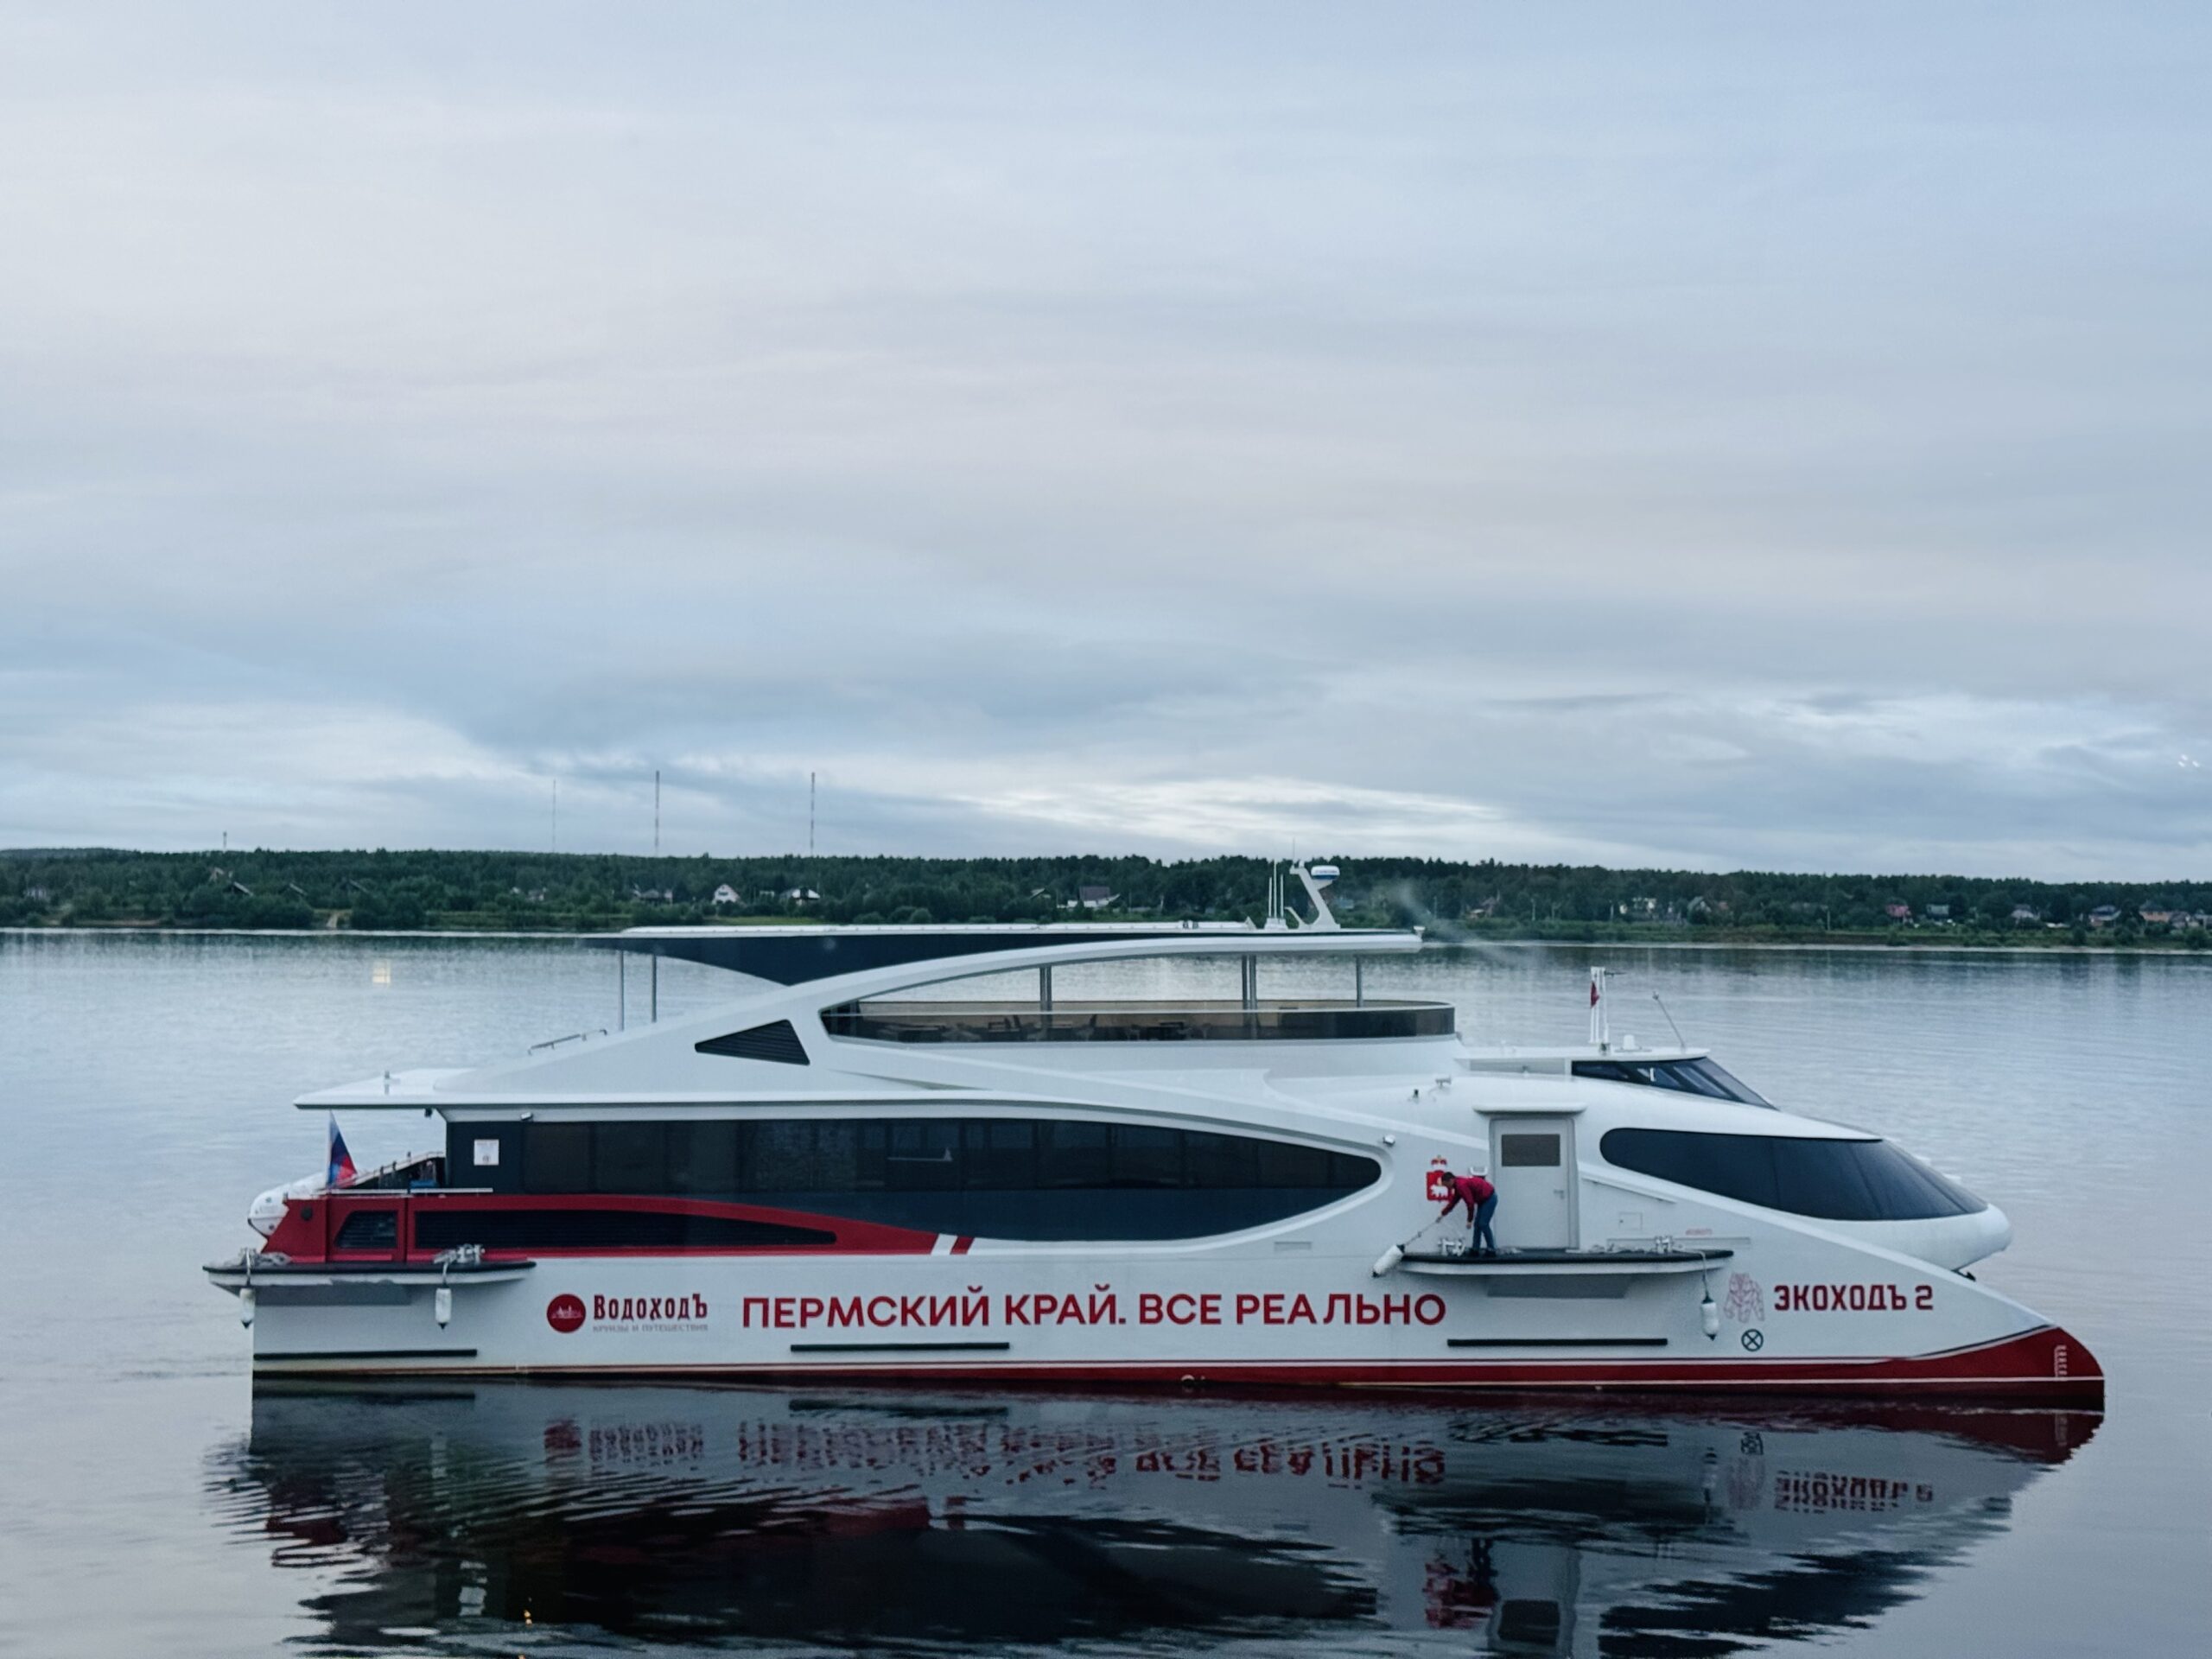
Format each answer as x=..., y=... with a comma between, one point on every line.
x=509, y=892
x=560, y=935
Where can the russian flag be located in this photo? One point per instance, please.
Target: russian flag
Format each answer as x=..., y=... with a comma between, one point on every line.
x=341, y=1161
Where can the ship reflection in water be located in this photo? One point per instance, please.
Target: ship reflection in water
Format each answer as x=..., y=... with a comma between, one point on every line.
x=434, y=1520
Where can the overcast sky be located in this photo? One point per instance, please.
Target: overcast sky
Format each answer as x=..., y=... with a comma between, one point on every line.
x=1721, y=435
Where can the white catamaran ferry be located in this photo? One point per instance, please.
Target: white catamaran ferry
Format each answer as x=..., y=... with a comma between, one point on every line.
x=859, y=1172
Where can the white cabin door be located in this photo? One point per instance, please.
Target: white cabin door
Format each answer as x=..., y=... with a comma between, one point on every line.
x=1532, y=1165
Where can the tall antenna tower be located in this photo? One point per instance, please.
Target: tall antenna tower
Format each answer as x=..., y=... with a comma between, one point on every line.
x=656, y=811
x=810, y=815
x=557, y=814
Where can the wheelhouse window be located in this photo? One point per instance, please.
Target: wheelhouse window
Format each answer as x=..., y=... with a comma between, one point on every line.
x=1830, y=1179
x=1699, y=1076
x=991, y=1177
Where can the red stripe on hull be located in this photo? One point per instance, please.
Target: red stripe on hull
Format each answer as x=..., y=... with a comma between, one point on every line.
x=2046, y=1366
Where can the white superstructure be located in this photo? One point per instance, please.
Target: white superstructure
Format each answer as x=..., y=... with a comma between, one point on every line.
x=879, y=1172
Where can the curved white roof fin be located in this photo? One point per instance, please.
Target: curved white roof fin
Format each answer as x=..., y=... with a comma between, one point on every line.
x=1317, y=877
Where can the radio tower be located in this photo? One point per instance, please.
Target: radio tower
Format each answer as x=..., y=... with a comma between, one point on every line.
x=656, y=811
x=810, y=815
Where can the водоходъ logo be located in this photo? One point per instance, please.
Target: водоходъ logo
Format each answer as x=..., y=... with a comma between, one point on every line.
x=565, y=1313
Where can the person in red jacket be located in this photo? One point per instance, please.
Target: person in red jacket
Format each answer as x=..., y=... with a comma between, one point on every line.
x=1473, y=1189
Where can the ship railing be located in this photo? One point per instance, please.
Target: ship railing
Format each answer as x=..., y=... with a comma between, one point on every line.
x=396, y=1176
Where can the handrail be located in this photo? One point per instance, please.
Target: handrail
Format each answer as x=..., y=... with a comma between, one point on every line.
x=366, y=1179
x=573, y=1037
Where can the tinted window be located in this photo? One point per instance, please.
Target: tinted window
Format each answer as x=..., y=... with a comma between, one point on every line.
x=703, y=1158
x=1283, y=1164
x=1528, y=1151
x=1348, y=1172
x=784, y=1157
x=1834, y=1180
x=998, y=1155
x=1222, y=1159
x=1147, y=1157
x=439, y=1228
x=921, y=1155
x=1685, y=1076
x=369, y=1230
x=996, y=1177
x=1073, y=1155
x=557, y=1158
x=1730, y=1085
x=629, y=1158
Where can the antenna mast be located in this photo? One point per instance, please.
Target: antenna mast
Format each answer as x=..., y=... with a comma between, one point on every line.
x=557, y=814
x=656, y=811
x=810, y=815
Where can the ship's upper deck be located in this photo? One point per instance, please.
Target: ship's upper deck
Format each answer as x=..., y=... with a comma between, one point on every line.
x=841, y=998
x=800, y=954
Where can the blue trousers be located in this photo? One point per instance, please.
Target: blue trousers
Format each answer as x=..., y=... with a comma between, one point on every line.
x=1485, y=1239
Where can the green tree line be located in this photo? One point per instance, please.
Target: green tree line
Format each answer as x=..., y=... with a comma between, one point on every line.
x=504, y=891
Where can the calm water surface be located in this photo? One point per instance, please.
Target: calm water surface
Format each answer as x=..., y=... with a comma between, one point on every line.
x=153, y=1503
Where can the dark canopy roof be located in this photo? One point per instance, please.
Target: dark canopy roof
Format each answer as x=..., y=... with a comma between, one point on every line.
x=792, y=956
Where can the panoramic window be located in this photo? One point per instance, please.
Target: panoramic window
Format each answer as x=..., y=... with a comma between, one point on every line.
x=1701, y=1076
x=1832, y=1180
x=992, y=1176
x=892, y=1021
x=437, y=1228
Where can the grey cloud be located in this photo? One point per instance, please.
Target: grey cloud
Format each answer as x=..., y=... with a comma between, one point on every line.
x=1767, y=441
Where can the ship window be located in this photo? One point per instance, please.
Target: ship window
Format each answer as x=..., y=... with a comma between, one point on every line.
x=1699, y=1076
x=1528, y=1151
x=438, y=1227
x=1074, y=1154
x=1221, y=1160
x=783, y=1157
x=1730, y=1086
x=1284, y=1164
x=702, y=1157
x=629, y=1158
x=557, y=1158
x=986, y=1176
x=369, y=1230
x=1144, y=1157
x=999, y=1153
x=1834, y=1180
x=920, y=1156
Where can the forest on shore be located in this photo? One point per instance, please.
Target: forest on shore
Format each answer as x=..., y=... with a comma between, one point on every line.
x=448, y=891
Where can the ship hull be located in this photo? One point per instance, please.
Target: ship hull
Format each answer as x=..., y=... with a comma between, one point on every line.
x=1892, y=1327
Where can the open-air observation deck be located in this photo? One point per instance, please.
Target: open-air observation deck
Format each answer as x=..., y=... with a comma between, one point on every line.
x=871, y=976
